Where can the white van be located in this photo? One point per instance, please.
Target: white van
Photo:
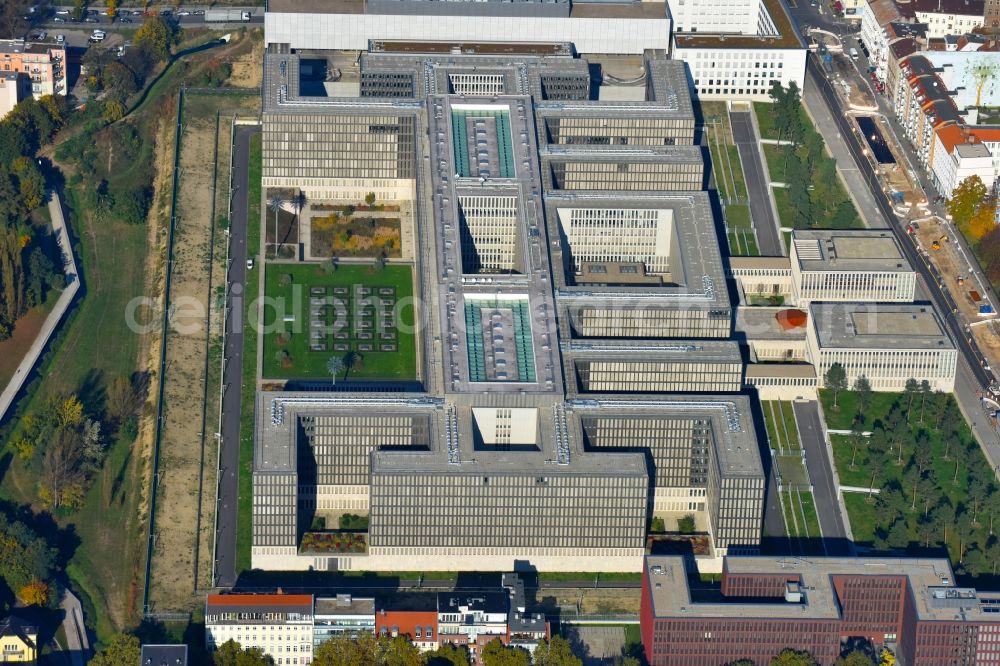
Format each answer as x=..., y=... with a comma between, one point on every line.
x=854, y=54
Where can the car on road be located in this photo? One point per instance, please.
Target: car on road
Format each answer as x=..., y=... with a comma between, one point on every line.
x=184, y=12
x=58, y=19
x=199, y=12
x=137, y=12
x=92, y=12
x=124, y=19
x=250, y=264
x=62, y=12
x=90, y=19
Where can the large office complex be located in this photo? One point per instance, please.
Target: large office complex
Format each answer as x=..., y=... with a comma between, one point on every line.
x=575, y=372
x=767, y=604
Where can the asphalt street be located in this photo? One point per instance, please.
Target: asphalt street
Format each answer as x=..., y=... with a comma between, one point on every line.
x=826, y=495
x=232, y=378
x=761, y=212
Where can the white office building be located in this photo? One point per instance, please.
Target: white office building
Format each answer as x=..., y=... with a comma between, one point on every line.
x=619, y=235
x=887, y=343
x=735, y=50
x=849, y=266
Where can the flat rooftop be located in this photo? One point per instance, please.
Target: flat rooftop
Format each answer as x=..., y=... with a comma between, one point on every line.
x=733, y=434
x=345, y=604
x=470, y=48
x=878, y=326
x=765, y=323
x=787, y=36
x=702, y=351
x=855, y=250
x=931, y=582
x=634, y=10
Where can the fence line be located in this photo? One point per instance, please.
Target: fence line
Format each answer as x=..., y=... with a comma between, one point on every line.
x=150, y=536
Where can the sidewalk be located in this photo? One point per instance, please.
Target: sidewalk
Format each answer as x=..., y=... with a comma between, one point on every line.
x=54, y=317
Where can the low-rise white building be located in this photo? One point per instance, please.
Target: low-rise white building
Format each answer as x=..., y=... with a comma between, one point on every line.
x=281, y=625
x=887, y=343
x=856, y=266
x=944, y=17
x=10, y=92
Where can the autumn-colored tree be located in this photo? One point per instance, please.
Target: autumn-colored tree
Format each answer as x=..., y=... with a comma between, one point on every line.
x=982, y=222
x=965, y=200
x=70, y=411
x=35, y=593
x=113, y=110
x=155, y=35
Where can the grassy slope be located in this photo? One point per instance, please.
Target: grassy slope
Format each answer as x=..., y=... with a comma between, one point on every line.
x=249, y=388
x=307, y=364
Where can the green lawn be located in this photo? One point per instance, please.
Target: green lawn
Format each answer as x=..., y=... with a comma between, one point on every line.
x=799, y=508
x=842, y=417
x=775, y=157
x=765, y=120
x=303, y=362
x=739, y=231
x=725, y=158
x=779, y=421
x=244, y=516
x=945, y=483
x=786, y=215
x=809, y=511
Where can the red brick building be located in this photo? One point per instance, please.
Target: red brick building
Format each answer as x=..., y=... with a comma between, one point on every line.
x=768, y=604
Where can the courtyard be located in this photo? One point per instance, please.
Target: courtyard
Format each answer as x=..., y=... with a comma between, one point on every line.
x=361, y=314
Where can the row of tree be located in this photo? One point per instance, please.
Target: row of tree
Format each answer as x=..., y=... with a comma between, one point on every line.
x=973, y=209
x=365, y=650
x=810, y=174
x=27, y=267
x=790, y=657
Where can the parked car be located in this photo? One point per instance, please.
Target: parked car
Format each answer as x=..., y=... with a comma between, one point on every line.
x=90, y=19
x=199, y=12
x=137, y=12
x=62, y=12
x=60, y=39
x=184, y=12
x=250, y=264
x=124, y=19
x=58, y=19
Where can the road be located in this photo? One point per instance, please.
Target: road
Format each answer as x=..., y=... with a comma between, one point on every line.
x=942, y=301
x=96, y=19
x=826, y=495
x=232, y=379
x=758, y=184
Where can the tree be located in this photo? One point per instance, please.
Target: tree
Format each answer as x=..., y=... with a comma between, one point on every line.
x=855, y=658
x=887, y=658
x=836, y=381
x=863, y=388
x=35, y=593
x=113, y=110
x=448, y=654
x=927, y=532
x=367, y=650
x=334, y=365
x=111, y=7
x=555, y=652
x=965, y=200
x=70, y=411
x=497, y=654
x=899, y=535
x=232, y=653
x=911, y=388
x=275, y=203
x=122, y=650
x=370, y=199
x=121, y=399
x=155, y=36
x=686, y=524
x=789, y=657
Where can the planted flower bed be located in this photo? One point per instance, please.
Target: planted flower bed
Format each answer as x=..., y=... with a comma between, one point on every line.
x=334, y=542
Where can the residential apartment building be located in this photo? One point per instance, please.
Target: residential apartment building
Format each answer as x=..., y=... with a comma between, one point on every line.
x=887, y=343
x=875, y=17
x=849, y=266
x=10, y=92
x=18, y=641
x=945, y=17
x=472, y=619
x=281, y=625
x=922, y=104
x=42, y=67
x=957, y=155
x=342, y=616
x=769, y=604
